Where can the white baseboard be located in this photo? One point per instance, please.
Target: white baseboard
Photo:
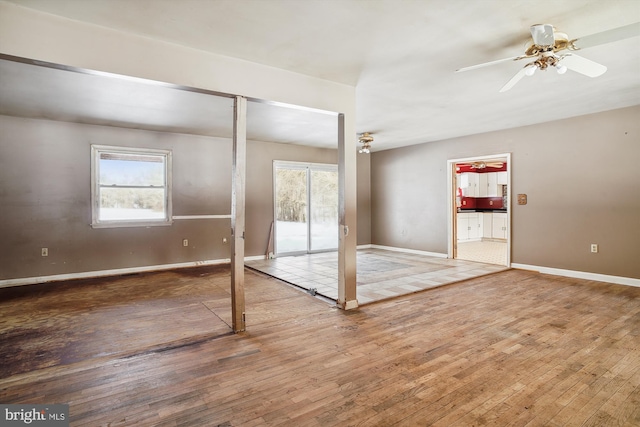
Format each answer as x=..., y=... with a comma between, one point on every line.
x=409, y=251
x=350, y=305
x=364, y=246
x=347, y=305
x=580, y=274
x=546, y=270
x=115, y=272
x=121, y=271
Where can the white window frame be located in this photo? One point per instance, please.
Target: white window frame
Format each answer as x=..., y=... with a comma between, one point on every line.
x=96, y=222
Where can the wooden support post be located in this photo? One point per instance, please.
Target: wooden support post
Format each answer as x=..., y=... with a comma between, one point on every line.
x=347, y=218
x=237, y=213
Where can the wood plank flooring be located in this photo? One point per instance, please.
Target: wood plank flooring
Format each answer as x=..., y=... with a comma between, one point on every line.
x=511, y=349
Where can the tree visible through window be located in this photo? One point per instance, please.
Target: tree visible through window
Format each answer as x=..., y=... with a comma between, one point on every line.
x=306, y=207
x=130, y=186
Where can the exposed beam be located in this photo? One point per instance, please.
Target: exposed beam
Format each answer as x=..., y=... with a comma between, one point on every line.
x=237, y=212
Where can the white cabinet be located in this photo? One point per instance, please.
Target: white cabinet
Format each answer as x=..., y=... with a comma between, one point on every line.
x=469, y=226
x=499, y=226
x=481, y=225
x=483, y=185
x=502, y=178
x=473, y=184
x=487, y=225
x=475, y=226
x=488, y=184
x=492, y=184
x=469, y=184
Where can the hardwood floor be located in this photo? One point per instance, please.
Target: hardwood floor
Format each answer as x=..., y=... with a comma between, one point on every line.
x=513, y=348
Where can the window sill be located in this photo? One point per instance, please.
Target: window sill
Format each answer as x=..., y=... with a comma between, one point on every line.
x=122, y=224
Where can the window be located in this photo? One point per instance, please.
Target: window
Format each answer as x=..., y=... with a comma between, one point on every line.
x=130, y=187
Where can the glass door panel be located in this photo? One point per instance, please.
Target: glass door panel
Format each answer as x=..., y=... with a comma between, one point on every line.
x=291, y=228
x=306, y=208
x=324, y=210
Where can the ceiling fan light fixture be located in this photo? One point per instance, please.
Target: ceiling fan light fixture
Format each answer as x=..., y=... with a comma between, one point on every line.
x=365, y=139
x=530, y=70
x=546, y=42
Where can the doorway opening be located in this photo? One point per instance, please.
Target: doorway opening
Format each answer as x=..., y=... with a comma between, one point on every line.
x=480, y=209
x=306, y=208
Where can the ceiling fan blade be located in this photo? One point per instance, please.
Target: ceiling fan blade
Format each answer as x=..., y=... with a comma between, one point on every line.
x=487, y=64
x=583, y=65
x=615, y=34
x=542, y=35
x=515, y=79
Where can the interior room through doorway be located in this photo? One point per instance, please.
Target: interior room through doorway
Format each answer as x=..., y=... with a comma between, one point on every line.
x=480, y=209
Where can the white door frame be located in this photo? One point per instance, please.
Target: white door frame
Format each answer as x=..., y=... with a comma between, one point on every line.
x=452, y=208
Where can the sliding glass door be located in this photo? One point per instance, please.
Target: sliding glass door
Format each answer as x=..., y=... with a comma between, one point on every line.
x=323, y=225
x=306, y=207
x=291, y=195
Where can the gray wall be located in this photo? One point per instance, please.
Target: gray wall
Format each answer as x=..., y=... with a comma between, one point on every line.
x=259, y=189
x=45, y=198
x=581, y=175
x=364, y=199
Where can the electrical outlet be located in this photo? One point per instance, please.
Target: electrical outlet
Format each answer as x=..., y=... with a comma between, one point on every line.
x=185, y=242
x=224, y=240
x=45, y=252
x=594, y=248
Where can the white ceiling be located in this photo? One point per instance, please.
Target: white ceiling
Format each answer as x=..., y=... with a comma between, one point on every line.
x=400, y=54
x=47, y=91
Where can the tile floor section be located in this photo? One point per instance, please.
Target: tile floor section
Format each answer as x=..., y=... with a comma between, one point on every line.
x=490, y=252
x=381, y=274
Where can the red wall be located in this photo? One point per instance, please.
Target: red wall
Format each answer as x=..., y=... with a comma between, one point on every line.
x=481, y=203
x=463, y=167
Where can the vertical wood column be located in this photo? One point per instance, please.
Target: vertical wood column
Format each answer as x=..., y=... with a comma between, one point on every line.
x=237, y=212
x=347, y=217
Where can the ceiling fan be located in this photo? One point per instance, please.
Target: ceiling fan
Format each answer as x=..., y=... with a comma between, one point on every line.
x=545, y=48
x=365, y=139
x=483, y=165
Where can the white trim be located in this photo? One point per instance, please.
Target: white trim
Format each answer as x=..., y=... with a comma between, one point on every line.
x=350, y=305
x=5, y=283
x=580, y=274
x=410, y=251
x=201, y=217
x=488, y=157
x=451, y=190
x=369, y=246
x=166, y=155
x=304, y=165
